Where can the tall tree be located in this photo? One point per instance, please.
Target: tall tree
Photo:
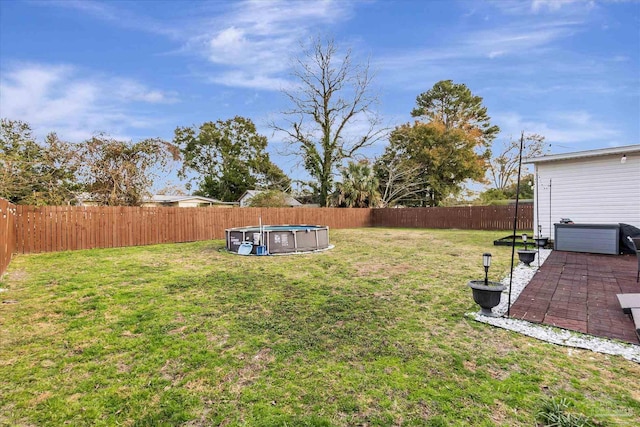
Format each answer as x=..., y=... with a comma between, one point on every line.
x=33, y=173
x=448, y=146
x=444, y=159
x=332, y=94
x=503, y=167
x=120, y=173
x=359, y=186
x=456, y=107
x=229, y=158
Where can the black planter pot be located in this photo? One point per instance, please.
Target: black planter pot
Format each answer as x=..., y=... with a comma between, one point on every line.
x=542, y=241
x=526, y=257
x=486, y=296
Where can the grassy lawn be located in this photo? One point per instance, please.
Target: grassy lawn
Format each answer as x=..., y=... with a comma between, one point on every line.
x=372, y=332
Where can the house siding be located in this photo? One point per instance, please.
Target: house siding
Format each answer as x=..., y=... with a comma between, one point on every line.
x=588, y=190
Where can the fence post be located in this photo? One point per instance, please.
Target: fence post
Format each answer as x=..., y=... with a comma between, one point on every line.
x=7, y=233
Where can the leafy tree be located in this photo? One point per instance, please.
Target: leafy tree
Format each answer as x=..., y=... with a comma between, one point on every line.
x=269, y=199
x=496, y=196
x=120, y=173
x=526, y=188
x=492, y=196
x=229, y=158
x=443, y=158
x=456, y=107
x=20, y=161
x=503, y=167
x=332, y=94
x=359, y=186
x=32, y=173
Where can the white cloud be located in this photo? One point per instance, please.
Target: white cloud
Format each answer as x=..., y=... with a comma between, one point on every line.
x=248, y=43
x=535, y=7
x=559, y=127
x=254, y=41
x=131, y=90
x=556, y=5
x=243, y=79
x=109, y=13
x=512, y=40
x=62, y=98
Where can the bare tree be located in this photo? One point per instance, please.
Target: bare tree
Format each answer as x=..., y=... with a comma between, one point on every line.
x=171, y=189
x=504, y=167
x=399, y=180
x=332, y=94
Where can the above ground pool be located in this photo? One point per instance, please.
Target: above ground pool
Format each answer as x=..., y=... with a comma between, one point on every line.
x=278, y=239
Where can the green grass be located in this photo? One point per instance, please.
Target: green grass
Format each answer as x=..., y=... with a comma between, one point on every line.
x=371, y=333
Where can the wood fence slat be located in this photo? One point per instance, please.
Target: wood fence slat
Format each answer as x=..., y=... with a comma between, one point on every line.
x=38, y=228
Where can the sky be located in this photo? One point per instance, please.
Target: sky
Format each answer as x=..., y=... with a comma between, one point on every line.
x=565, y=69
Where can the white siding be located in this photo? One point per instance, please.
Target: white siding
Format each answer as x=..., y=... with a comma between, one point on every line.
x=189, y=203
x=588, y=190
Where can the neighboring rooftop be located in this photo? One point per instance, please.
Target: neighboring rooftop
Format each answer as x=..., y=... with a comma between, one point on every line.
x=162, y=198
x=625, y=149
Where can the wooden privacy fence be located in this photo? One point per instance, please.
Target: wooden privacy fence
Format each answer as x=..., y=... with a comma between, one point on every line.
x=467, y=217
x=7, y=233
x=29, y=229
x=60, y=228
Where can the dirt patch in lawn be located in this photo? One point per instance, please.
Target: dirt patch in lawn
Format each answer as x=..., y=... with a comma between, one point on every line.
x=17, y=276
x=235, y=381
x=375, y=269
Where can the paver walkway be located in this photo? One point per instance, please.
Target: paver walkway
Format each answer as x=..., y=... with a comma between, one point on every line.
x=578, y=292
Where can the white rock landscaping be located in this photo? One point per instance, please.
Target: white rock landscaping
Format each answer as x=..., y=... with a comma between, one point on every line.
x=522, y=275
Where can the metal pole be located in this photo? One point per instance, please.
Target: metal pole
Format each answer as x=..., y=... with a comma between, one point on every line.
x=538, y=229
x=515, y=223
x=550, y=209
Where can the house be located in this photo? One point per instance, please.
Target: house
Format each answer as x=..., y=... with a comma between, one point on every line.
x=184, y=201
x=245, y=199
x=596, y=186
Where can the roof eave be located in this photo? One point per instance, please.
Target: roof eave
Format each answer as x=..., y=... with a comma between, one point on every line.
x=626, y=149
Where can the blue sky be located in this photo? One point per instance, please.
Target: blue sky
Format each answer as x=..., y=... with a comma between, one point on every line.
x=566, y=69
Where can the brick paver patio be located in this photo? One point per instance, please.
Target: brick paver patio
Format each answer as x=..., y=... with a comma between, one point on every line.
x=578, y=292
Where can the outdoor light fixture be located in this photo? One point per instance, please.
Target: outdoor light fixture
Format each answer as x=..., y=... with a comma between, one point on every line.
x=485, y=293
x=486, y=262
x=525, y=255
x=623, y=160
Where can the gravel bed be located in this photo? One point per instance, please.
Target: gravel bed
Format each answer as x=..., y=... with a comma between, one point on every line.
x=522, y=275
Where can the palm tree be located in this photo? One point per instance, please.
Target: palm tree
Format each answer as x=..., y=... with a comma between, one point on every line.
x=359, y=186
